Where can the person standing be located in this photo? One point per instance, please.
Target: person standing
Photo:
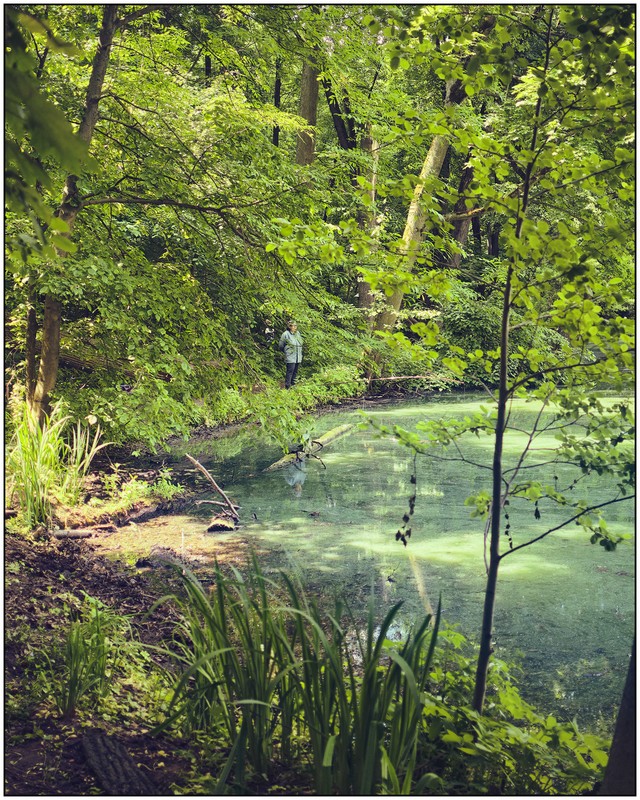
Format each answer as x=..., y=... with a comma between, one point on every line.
x=291, y=345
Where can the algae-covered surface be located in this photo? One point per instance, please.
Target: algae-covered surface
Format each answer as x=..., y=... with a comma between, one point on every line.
x=565, y=606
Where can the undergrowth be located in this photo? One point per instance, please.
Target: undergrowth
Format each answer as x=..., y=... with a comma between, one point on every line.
x=268, y=690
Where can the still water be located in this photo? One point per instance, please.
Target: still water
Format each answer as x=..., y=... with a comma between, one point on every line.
x=565, y=607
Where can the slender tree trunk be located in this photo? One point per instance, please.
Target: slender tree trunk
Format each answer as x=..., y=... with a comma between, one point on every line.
x=276, y=101
x=486, y=633
x=620, y=775
x=367, y=219
x=461, y=226
x=305, y=150
x=484, y=655
x=345, y=129
x=30, y=350
x=475, y=227
x=493, y=241
x=68, y=211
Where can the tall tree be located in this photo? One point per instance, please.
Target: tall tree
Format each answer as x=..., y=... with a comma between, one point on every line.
x=67, y=212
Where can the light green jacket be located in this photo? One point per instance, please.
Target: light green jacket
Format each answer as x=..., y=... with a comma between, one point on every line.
x=291, y=346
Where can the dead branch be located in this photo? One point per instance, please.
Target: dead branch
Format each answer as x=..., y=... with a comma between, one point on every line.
x=209, y=477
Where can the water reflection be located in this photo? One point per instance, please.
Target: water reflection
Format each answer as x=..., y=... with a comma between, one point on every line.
x=295, y=475
x=567, y=605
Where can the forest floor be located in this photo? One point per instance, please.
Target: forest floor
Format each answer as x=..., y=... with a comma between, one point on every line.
x=44, y=753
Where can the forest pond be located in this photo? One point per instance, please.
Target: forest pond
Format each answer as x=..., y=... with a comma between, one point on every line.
x=565, y=607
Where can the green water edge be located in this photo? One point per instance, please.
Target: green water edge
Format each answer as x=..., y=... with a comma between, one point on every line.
x=565, y=607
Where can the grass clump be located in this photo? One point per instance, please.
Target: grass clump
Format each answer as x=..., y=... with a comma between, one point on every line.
x=46, y=467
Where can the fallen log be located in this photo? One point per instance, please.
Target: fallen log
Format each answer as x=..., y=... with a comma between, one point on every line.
x=73, y=534
x=325, y=438
x=117, y=773
x=104, y=529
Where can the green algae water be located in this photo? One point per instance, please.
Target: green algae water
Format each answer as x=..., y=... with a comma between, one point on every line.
x=565, y=607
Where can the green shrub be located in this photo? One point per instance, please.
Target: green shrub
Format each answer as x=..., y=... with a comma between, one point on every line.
x=509, y=750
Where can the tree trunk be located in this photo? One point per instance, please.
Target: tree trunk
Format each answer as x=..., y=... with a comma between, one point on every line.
x=412, y=236
x=367, y=219
x=493, y=241
x=68, y=211
x=461, y=226
x=30, y=350
x=342, y=123
x=620, y=775
x=484, y=655
x=49, y=359
x=276, y=101
x=117, y=773
x=477, y=233
x=305, y=150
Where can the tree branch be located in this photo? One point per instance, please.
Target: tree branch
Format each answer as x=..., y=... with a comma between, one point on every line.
x=567, y=522
x=140, y=12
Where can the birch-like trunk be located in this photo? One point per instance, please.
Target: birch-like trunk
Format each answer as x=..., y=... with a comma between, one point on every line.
x=412, y=235
x=432, y=167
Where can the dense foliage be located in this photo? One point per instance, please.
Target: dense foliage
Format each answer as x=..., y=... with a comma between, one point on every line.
x=190, y=231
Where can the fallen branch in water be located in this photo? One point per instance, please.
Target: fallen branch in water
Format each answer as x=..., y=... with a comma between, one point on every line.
x=320, y=442
x=232, y=508
x=214, y=503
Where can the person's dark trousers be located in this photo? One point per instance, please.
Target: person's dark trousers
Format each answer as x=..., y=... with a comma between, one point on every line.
x=292, y=371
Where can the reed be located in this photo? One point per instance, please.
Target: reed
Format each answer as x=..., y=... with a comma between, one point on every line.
x=268, y=675
x=91, y=653
x=33, y=464
x=43, y=467
x=236, y=658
